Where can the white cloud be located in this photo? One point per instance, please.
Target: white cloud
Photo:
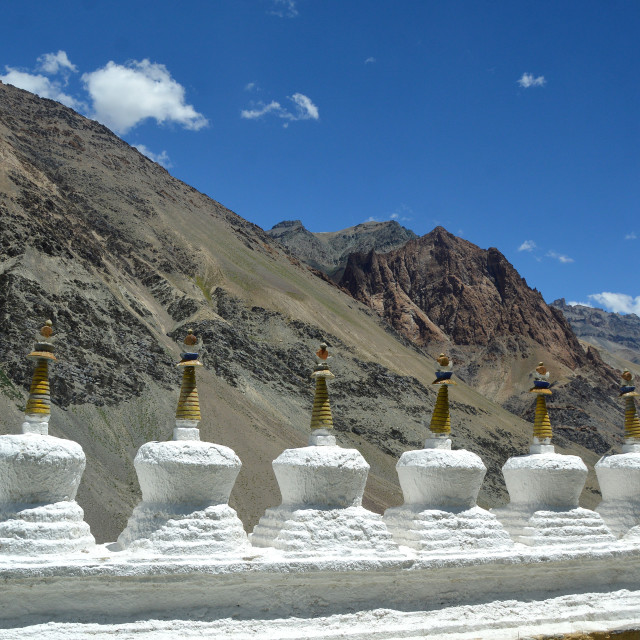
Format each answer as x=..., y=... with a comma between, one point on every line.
x=161, y=158
x=631, y=236
x=304, y=109
x=41, y=86
x=52, y=63
x=250, y=86
x=284, y=8
x=402, y=213
x=123, y=96
x=252, y=114
x=528, y=80
x=527, y=245
x=573, y=303
x=370, y=60
x=559, y=256
x=617, y=302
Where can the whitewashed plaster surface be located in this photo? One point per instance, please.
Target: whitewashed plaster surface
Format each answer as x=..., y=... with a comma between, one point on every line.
x=321, y=510
x=543, y=509
x=440, y=488
x=267, y=595
x=39, y=478
x=619, y=480
x=185, y=489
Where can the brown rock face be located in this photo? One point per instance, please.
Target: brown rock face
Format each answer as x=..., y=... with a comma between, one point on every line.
x=440, y=286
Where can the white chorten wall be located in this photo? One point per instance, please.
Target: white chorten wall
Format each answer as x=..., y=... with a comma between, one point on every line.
x=185, y=492
x=544, y=489
x=440, y=489
x=321, y=511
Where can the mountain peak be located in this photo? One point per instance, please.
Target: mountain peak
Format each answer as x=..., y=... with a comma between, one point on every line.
x=443, y=287
x=287, y=224
x=328, y=251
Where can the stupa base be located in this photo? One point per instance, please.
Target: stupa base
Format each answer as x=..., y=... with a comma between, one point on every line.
x=350, y=531
x=530, y=525
x=619, y=479
x=171, y=529
x=619, y=515
x=33, y=529
x=432, y=530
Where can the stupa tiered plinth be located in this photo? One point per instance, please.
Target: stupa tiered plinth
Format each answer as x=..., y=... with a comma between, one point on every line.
x=40, y=475
x=619, y=475
x=544, y=488
x=185, y=485
x=440, y=488
x=322, y=487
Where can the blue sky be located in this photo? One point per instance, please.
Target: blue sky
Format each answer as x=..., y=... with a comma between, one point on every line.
x=512, y=124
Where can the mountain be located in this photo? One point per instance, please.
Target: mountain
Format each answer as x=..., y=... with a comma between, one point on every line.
x=617, y=333
x=328, y=251
x=443, y=292
x=441, y=287
x=124, y=258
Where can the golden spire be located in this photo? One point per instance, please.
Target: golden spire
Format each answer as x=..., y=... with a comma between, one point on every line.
x=541, y=424
x=39, y=403
x=628, y=392
x=189, y=404
x=441, y=419
x=321, y=417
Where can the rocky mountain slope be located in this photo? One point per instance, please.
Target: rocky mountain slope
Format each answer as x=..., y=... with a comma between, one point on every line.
x=443, y=292
x=617, y=333
x=328, y=251
x=123, y=258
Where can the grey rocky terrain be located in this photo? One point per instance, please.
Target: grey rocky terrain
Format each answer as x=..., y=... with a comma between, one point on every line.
x=328, y=251
x=617, y=333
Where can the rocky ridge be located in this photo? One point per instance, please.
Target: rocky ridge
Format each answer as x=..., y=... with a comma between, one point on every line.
x=443, y=292
x=617, y=333
x=328, y=251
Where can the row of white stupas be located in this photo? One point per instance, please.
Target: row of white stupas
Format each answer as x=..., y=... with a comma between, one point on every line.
x=186, y=485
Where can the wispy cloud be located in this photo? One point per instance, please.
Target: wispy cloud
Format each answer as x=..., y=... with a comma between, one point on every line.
x=527, y=245
x=50, y=64
x=261, y=110
x=631, y=236
x=573, y=303
x=305, y=109
x=370, y=60
x=250, y=86
x=560, y=257
x=302, y=109
x=284, y=8
x=125, y=95
x=617, y=302
x=529, y=80
x=402, y=213
x=540, y=252
x=161, y=158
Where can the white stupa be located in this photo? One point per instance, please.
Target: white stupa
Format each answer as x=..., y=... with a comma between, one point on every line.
x=440, y=489
x=322, y=487
x=40, y=475
x=544, y=488
x=619, y=475
x=185, y=485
